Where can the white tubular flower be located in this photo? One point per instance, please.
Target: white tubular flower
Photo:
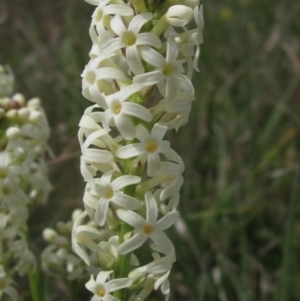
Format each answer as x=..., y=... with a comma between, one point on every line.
x=131, y=39
x=101, y=288
x=110, y=191
x=148, y=228
x=119, y=109
x=104, y=10
x=168, y=69
x=150, y=144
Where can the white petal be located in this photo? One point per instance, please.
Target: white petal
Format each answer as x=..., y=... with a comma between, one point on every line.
x=112, y=46
x=97, y=96
x=106, y=119
x=126, y=201
x=117, y=284
x=101, y=211
x=172, y=50
x=184, y=84
x=151, y=205
x=149, y=78
x=127, y=91
x=141, y=133
x=91, y=284
x=117, y=25
x=110, y=298
x=102, y=277
x=123, y=181
x=168, y=220
x=136, y=110
x=163, y=242
x=117, y=9
x=158, y=131
x=131, y=244
x=153, y=165
x=131, y=218
x=148, y=39
x=92, y=137
x=106, y=178
x=125, y=126
x=134, y=60
x=152, y=57
x=97, y=156
x=131, y=150
x=171, y=88
x=139, y=21
x=110, y=73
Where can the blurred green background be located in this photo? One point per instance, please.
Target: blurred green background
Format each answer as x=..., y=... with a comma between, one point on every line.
x=239, y=238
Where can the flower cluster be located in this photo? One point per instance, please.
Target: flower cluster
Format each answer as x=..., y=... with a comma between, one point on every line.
x=139, y=80
x=23, y=182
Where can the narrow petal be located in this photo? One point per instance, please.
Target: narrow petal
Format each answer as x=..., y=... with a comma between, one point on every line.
x=111, y=46
x=149, y=78
x=117, y=284
x=159, y=131
x=91, y=284
x=153, y=164
x=148, y=39
x=117, y=9
x=172, y=49
x=184, y=84
x=171, y=87
x=125, y=126
x=127, y=91
x=163, y=242
x=136, y=110
x=168, y=220
x=131, y=244
x=134, y=60
x=106, y=178
x=151, y=205
x=97, y=96
x=94, y=136
x=152, y=57
x=123, y=181
x=101, y=211
x=97, y=156
x=139, y=21
x=111, y=298
x=141, y=133
x=117, y=25
x=126, y=201
x=106, y=119
x=131, y=218
x=131, y=150
x=103, y=276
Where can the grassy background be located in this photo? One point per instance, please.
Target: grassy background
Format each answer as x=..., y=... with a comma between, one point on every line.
x=239, y=238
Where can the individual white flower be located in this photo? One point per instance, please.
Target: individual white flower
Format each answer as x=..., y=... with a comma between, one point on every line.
x=131, y=39
x=99, y=75
x=150, y=144
x=83, y=237
x=119, y=109
x=101, y=288
x=103, y=11
x=168, y=70
x=110, y=191
x=147, y=228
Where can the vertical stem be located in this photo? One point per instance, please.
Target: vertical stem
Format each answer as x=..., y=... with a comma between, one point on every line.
x=123, y=262
x=34, y=284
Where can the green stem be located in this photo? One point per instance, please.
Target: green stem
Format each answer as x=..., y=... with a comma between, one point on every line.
x=123, y=262
x=34, y=284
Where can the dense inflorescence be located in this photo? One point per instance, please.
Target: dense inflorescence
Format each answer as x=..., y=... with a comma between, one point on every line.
x=139, y=80
x=24, y=132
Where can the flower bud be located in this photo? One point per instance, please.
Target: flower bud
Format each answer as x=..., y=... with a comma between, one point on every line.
x=13, y=133
x=49, y=234
x=179, y=15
